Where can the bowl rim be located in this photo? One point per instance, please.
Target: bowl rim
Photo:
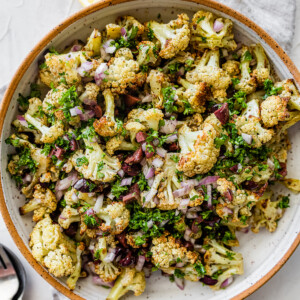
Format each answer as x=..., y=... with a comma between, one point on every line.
x=36, y=51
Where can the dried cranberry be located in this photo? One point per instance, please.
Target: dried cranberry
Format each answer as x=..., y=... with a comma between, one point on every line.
x=134, y=194
x=261, y=190
x=228, y=195
x=173, y=147
x=128, y=260
x=250, y=185
x=234, y=169
x=188, y=245
x=73, y=145
x=195, y=225
x=98, y=111
x=283, y=170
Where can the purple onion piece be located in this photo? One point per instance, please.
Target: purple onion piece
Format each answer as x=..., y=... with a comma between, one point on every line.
x=140, y=263
x=223, y=113
x=208, y=180
x=179, y=282
x=208, y=280
x=218, y=26
x=126, y=181
x=98, y=281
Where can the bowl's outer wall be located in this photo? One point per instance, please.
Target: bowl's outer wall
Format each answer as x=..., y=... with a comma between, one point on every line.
x=263, y=253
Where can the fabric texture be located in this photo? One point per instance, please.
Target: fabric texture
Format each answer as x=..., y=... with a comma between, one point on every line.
x=277, y=17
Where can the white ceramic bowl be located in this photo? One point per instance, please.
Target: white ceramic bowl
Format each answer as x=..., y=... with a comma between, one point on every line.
x=264, y=253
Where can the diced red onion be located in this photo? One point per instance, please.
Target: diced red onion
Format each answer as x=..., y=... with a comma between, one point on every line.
x=180, y=265
x=110, y=49
x=140, y=263
x=148, y=172
x=180, y=72
x=147, y=98
x=270, y=164
x=126, y=181
x=182, y=192
x=150, y=195
x=227, y=282
x=163, y=223
x=89, y=212
x=171, y=139
x=98, y=281
x=179, y=282
x=22, y=121
x=218, y=26
x=59, y=194
x=110, y=256
x=121, y=173
x=208, y=180
x=222, y=113
x=105, y=56
x=110, y=196
x=87, y=115
x=27, y=178
x=85, y=68
x=92, y=244
x=74, y=197
x=244, y=229
x=191, y=182
x=194, y=209
x=157, y=163
x=79, y=184
x=191, y=215
x=150, y=181
x=209, y=196
x=98, y=204
x=65, y=183
x=150, y=223
x=143, y=162
x=247, y=138
x=124, y=33
x=161, y=152
x=99, y=73
x=169, y=127
x=90, y=102
x=187, y=234
x=75, y=111
x=144, y=146
x=199, y=248
x=155, y=142
x=227, y=211
x=183, y=204
x=75, y=48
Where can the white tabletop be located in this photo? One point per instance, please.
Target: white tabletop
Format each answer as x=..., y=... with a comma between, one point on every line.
x=22, y=24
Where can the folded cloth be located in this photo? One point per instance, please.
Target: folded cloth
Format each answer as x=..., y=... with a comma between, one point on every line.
x=277, y=17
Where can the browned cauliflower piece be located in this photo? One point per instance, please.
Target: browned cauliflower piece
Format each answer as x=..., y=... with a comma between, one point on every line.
x=232, y=67
x=273, y=110
x=198, y=150
x=208, y=70
x=43, y=202
x=166, y=252
x=173, y=37
x=204, y=36
x=123, y=73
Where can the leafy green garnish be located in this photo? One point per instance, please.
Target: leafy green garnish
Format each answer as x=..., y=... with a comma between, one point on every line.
x=169, y=94
x=270, y=89
x=284, y=203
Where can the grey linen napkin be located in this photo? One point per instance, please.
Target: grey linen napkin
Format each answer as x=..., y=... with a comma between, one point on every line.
x=277, y=17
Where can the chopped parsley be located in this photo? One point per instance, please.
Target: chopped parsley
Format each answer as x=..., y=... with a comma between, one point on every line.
x=169, y=95
x=270, y=89
x=284, y=203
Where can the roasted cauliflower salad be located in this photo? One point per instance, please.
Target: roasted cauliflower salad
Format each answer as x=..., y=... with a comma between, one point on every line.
x=147, y=148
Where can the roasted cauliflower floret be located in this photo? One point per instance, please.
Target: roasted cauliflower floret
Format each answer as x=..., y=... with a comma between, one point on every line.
x=118, y=143
x=95, y=164
x=235, y=202
x=106, y=125
x=262, y=69
x=43, y=202
x=128, y=280
x=116, y=217
x=208, y=70
x=168, y=185
x=53, y=249
x=266, y=213
x=91, y=92
x=123, y=73
x=130, y=24
x=173, y=37
x=204, y=36
x=149, y=118
x=287, y=88
x=198, y=151
x=68, y=216
x=106, y=270
x=166, y=252
x=133, y=128
x=273, y=110
x=158, y=81
x=252, y=126
x=147, y=53
x=221, y=259
x=247, y=82
x=232, y=67
x=93, y=43
x=64, y=67
x=49, y=134
x=30, y=156
x=195, y=94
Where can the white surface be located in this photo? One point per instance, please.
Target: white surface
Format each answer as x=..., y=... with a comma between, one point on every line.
x=22, y=24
